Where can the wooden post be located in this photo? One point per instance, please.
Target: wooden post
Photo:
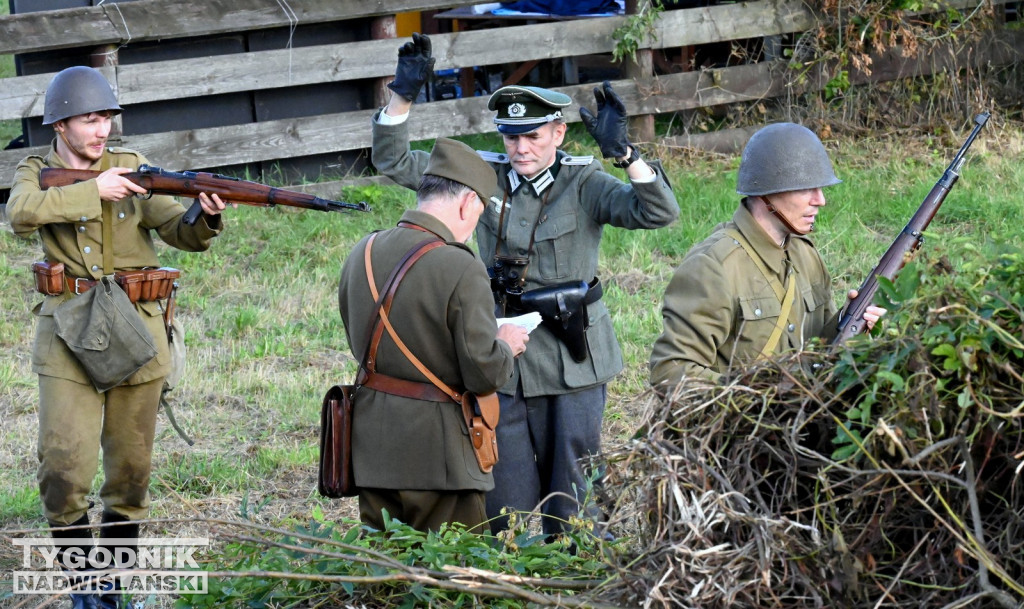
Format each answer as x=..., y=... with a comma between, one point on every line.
x=102, y=57
x=641, y=127
x=381, y=28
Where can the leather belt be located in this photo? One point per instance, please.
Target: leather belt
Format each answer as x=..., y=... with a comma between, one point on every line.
x=78, y=285
x=143, y=285
x=405, y=389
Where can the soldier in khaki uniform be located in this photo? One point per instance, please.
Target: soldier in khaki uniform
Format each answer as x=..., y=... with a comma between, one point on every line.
x=76, y=420
x=757, y=286
x=543, y=230
x=414, y=456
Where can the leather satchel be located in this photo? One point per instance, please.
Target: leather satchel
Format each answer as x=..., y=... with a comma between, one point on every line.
x=336, y=477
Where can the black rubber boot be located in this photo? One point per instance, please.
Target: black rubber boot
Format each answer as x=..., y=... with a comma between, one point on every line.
x=123, y=553
x=68, y=559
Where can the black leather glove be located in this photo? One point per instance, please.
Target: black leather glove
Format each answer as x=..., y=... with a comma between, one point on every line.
x=610, y=127
x=414, y=67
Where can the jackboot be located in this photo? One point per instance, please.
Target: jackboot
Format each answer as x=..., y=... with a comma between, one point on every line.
x=74, y=558
x=123, y=554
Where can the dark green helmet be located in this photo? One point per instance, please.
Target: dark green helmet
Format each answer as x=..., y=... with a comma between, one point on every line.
x=782, y=157
x=78, y=90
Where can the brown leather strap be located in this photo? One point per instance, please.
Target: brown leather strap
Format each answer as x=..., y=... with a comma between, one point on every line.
x=391, y=285
x=78, y=285
x=403, y=388
x=385, y=306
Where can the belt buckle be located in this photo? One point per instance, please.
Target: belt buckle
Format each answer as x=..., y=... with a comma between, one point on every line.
x=78, y=289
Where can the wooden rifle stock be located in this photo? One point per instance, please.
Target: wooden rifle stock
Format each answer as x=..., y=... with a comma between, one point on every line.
x=851, y=320
x=191, y=183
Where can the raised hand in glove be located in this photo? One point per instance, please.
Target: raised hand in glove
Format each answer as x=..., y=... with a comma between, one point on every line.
x=609, y=128
x=414, y=67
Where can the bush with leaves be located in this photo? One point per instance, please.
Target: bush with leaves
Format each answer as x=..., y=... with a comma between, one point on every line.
x=883, y=473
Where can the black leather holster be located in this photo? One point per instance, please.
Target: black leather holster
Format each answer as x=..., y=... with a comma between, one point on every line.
x=563, y=309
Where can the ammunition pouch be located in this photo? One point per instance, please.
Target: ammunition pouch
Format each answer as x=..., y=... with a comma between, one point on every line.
x=563, y=309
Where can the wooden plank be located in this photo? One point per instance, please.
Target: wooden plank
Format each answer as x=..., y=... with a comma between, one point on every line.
x=122, y=23
x=157, y=81
x=201, y=148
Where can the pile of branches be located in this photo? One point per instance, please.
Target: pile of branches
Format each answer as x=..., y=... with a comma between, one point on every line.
x=884, y=473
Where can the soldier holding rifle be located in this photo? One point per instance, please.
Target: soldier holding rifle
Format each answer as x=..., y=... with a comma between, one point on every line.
x=540, y=236
x=757, y=286
x=89, y=231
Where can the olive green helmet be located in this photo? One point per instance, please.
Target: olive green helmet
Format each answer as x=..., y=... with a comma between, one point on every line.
x=782, y=157
x=78, y=90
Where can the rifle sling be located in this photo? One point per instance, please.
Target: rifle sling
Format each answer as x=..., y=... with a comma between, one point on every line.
x=785, y=297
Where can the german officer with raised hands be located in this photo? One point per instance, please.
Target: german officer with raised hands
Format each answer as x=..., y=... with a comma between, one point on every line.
x=540, y=237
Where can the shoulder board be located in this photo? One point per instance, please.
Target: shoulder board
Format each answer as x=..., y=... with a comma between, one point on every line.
x=35, y=156
x=577, y=160
x=723, y=246
x=119, y=150
x=493, y=157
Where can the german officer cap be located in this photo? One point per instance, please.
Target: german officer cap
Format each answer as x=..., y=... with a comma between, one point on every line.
x=458, y=162
x=523, y=109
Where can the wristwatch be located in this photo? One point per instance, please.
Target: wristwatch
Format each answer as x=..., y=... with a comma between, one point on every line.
x=634, y=156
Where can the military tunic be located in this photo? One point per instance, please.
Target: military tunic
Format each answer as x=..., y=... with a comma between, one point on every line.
x=442, y=311
x=719, y=309
x=569, y=215
x=74, y=419
x=552, y=406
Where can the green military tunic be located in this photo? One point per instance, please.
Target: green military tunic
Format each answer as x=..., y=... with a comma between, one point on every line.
x=719, y=308
x=569, y=213
x=68, y=221
x=442, y=312
x=75, y=419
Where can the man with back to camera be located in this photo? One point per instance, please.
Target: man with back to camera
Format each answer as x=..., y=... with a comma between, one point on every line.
x=540, y=237
x=74, y=224
x=757, y=286
x=411, y=453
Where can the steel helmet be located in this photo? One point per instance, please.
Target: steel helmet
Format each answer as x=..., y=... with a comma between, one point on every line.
x=782, y=157
x=78, y=90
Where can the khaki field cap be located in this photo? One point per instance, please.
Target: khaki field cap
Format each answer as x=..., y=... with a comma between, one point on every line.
x=460, y=163
x=524, y=109
x=782, y=157
x=78, y=90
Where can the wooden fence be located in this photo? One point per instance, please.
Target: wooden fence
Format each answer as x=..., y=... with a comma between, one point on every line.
x=108, y=26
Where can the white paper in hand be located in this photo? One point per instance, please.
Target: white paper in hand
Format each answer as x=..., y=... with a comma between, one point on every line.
x=528, y=321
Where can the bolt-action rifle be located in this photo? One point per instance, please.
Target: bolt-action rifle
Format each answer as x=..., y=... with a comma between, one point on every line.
x=851, y=320
x=190, y=183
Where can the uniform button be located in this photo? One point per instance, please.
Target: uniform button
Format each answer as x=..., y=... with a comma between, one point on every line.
x=522, y=252
x=120, y=215
x=522, y=223
x=87, y=249
x=95, y=267
x=792, y=327
x=83, y=219
x=81, y=229
x=757, y=312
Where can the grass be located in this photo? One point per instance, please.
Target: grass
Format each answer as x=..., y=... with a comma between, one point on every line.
x=265, y=340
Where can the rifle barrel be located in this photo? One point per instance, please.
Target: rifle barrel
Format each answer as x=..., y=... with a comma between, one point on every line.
x=907, y=242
